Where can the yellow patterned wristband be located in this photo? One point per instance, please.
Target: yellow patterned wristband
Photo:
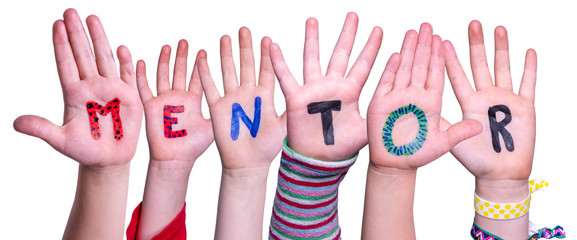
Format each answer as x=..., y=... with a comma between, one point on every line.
x=504, y=211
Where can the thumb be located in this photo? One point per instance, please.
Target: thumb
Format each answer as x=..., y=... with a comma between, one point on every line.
x=461, y=131
x=41, y=128
x=444, y=125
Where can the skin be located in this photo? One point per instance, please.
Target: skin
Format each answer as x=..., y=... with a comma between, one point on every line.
x=500, y=177
x=305, y=134
x=414, y=76
x=246, y=160
x=90, y=74
x=171, y=159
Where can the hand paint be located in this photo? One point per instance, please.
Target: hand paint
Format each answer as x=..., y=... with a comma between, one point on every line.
x=238, y=112
x=169, y=121
x=112, y=107
x=417, y=143
x=325, y=109
x=499, y=127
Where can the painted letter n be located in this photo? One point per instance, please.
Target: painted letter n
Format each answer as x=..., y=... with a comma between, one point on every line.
x=238, y=113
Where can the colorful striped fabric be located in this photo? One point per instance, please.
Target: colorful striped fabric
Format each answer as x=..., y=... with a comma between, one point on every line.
x=478, y=233
x=305, y=206
x=547, y=233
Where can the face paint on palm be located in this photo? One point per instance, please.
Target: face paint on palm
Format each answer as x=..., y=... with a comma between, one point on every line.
x=417, y=143
x=238, y=113
x=499, y=127
x=325, y=109
x=112, y=107
x=169, y=121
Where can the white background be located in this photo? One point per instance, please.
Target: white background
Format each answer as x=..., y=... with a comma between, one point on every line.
x=37, y=184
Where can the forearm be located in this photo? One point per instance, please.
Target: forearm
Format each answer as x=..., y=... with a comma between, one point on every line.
x=389, y=198
x=306, y=202
x=164, y=195
x=241, y=203
x=100, y=203
x=504, y=191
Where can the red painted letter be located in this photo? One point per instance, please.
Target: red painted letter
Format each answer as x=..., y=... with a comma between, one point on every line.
x=112, y=107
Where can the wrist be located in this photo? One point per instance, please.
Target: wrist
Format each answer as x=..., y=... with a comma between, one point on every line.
x=170, y=171
x=320, y=153
x=391, y=171
x=108, y=174
x=502, y=191
x=326, y=153
x=246, y=174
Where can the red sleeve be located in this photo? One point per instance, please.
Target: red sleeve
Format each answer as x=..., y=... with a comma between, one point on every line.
x=176, y=230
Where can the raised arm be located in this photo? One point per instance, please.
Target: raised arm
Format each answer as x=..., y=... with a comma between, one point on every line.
x=102, y=118
x=325, y=132
x=177, y=135
x=248, y=133
x=501, y=157
x=404, y=133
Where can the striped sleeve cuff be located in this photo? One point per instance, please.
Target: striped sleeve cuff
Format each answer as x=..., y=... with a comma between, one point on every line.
x=306, y=199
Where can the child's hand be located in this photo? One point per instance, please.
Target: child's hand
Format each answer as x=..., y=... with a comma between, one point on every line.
x=187, y=138
x=506, y=160
x=404, y=114
x=177, y=135
x=323, y=119
x=242, y=145
x=102, y=118
x=88, y=76
x=248, y=134
x=501, y=157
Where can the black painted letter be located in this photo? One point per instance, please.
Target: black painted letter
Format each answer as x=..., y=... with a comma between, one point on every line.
x=326, y=108
x=499, y=127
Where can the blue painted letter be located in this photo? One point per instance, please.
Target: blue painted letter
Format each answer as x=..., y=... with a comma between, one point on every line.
x=238, y=112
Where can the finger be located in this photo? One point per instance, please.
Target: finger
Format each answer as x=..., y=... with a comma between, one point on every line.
x=311, y=59
x=436, y=73
x=228, y=69
x=126, y=66
x=459, y=81
x=266, y=74
x=407, y=56
x=422, y=56
x=481, y=73
x=247, y=73
x=180, y=65
x=388, y=77
x=142, y=82
x=362, y=67
x=102, y=52
x=65, y=63
x=210, y=91
x=340, y=58
x=502, y=65
x=162, y=71
x=194, y=86
x=80, y=45
x=462, y=131
x=529, y=80
x=41, y=128
x=287, y=82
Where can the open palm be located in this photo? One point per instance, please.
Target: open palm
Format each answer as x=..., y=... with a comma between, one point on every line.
x=478, y=154
x=415, y=78
x=198, y=129
x=250, y=149
x=306, y=133
x=88, y=76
